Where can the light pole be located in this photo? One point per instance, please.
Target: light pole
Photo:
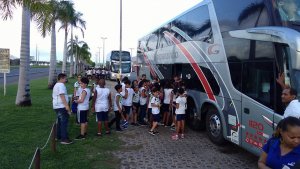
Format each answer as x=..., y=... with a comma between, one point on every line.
x=131, y=51
x=96, y=58
x=103, y=41
x=99, y=55
x=120, y=39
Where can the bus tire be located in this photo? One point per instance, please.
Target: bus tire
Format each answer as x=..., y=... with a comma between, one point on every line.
x=214, y=127
x=191, y=117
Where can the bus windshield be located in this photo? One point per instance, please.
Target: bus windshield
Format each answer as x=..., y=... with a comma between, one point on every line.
x=125, y=67
x=125, y=56
x=289, y=10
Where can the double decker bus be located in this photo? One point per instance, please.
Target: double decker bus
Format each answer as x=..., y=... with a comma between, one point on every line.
x=113, y=64
x=229, y=54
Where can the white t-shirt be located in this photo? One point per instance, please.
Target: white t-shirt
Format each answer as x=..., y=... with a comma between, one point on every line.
x=102, y=102
x=167, y=95
x=136, y=97
x=156, y=101
x=120, y=102
x=150, y=99
x=76, y=85
x=143, y=100
x=78, y=91
x=58, y=89
x=128, y=100
x=85, y=104
x=182, y=105
x=293, y=109
x=123, y=89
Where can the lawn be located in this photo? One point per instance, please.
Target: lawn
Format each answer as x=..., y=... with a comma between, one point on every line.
x=25, y=128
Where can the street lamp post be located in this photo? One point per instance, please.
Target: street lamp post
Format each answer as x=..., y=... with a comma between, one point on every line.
x=103, y=41
x=131, y=49
x=99, y=55
x=120, y=54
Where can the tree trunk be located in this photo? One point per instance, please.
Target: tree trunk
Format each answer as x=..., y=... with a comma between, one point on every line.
x=23, y=95
x=71, y=57
x=64, y=66
x=52, y=69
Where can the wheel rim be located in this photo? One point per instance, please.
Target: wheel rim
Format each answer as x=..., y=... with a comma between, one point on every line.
x=215, y=125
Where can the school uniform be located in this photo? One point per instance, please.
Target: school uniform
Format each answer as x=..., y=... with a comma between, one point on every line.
x=83, y=107
x=102, y=104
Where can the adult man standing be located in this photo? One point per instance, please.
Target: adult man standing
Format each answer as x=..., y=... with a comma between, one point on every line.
x=61, y=107
x=289, y=98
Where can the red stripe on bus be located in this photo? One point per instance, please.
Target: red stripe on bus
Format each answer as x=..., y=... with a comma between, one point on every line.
x=195, y=66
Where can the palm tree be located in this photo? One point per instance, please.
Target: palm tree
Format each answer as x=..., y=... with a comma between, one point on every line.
x=30, y=8
x=46, y=24
x=76, y=19
x=83, y=55
x=69, y=17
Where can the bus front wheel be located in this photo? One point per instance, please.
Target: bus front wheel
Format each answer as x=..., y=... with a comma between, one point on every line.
x=214, y=127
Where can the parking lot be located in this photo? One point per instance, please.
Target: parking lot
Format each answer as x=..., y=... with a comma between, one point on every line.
x=144, y=151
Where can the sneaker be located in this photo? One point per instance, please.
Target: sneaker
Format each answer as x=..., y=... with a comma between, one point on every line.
x=156, y=132
x=173, y=128
x=107, y=132
x=66, y=142
x=175, y=137
x=172, y=125
x=152, y=133
x=182, y=135
x=99, y=134
x=80, y=137
x=125, y=123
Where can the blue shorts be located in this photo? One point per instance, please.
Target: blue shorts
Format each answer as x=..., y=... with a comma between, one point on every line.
x=102, y=116
x=156, y=117
x=82, y=116
x=180, y=117
x=74, y=107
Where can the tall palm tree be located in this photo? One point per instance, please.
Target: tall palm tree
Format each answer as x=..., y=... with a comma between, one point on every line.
x=30, y=8
x=77, y=22
x=46, y=24
x=69, y=17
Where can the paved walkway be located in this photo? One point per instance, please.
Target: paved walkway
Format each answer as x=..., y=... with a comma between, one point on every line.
x=144, y=151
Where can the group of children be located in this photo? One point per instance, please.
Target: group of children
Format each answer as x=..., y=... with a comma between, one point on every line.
x=140, y=102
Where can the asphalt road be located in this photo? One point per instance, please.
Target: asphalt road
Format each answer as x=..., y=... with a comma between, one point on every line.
x=13, y=76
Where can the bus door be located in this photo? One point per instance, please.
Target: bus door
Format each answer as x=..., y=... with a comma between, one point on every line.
x=177, y=70
x=258, y=84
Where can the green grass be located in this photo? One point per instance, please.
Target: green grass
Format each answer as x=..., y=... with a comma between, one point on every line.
x=25, y=128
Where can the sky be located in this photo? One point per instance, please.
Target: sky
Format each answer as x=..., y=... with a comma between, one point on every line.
x=102, y=17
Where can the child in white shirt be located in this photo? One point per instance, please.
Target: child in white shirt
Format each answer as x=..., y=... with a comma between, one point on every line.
x=155, y=106
x=180, y=114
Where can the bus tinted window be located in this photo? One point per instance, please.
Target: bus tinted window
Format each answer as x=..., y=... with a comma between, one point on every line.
x=152, y=41
x=196, y=25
